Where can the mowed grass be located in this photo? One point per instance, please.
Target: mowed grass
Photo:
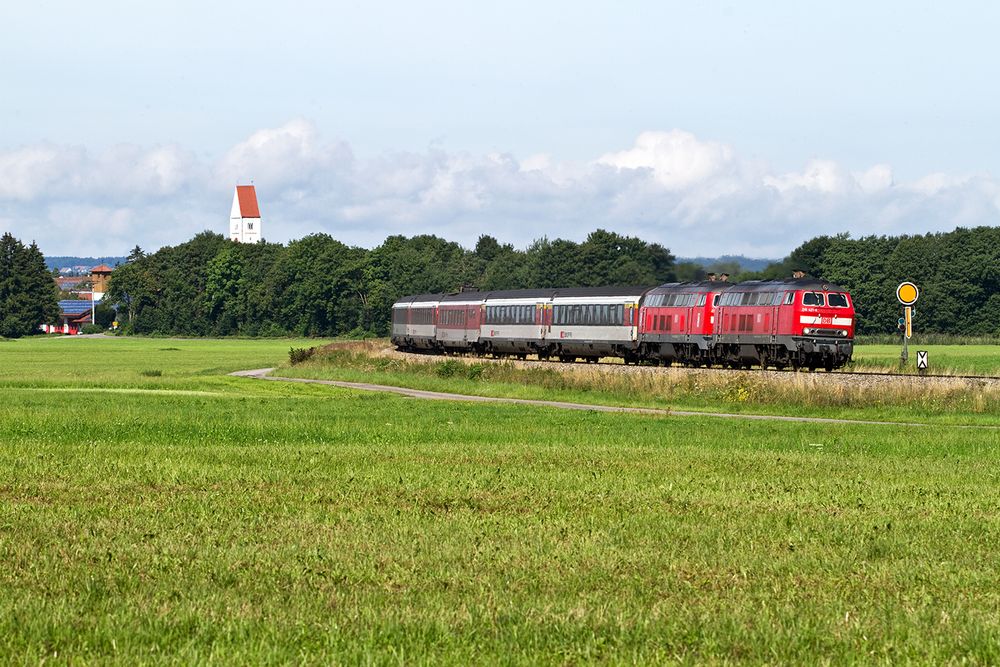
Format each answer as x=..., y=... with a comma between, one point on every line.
x=195, y=518
x=944, y=359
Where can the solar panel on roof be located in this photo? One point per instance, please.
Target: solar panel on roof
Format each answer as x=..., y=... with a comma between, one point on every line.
x=74, y=307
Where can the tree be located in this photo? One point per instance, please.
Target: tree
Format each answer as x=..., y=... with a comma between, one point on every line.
x=28, y=294
x=136, y=254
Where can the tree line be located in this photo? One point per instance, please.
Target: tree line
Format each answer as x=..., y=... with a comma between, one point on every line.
x=318, y=286
x=958, y=274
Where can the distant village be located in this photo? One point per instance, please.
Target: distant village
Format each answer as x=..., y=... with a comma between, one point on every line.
x=82, y=287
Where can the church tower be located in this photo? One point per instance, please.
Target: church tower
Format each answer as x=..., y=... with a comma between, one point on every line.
x=244, y=219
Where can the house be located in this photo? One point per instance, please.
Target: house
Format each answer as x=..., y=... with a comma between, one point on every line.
x=74, y=314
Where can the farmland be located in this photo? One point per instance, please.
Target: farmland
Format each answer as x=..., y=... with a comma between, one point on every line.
x=154, y=509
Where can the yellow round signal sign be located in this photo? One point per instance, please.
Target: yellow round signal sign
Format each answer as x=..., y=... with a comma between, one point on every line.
x=907, y=294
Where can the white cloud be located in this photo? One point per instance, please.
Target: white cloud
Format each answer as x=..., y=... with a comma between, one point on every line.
x=819, y=176
x=677, y=159
x=876, y=179
x=694, y=196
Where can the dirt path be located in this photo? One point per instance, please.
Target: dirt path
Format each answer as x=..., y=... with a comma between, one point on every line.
x=262, y=374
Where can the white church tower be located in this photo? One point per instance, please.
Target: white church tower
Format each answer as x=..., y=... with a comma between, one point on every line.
x=244, y=219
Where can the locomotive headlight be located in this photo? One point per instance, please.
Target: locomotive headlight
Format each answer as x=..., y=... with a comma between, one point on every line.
x=808, y=332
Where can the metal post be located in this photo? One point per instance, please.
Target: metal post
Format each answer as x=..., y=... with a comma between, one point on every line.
x=905, y=354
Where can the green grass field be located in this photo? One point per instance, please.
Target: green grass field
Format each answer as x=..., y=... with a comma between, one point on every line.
x=949, y=359
x=193, y=517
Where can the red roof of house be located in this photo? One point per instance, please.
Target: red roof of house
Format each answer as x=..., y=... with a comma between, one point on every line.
x=248, y=201
x=103, y=268
x=65, y=282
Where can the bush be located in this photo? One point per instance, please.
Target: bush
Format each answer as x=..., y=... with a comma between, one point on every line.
x=91, y=329
x=297, y=355
x=450, y=368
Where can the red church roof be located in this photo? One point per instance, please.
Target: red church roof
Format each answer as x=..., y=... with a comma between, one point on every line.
x=248, y=201
x=103, y=268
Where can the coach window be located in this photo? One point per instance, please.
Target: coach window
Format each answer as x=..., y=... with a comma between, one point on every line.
x=837, y=300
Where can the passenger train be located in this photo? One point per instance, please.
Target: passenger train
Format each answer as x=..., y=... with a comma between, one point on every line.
x=797, y=323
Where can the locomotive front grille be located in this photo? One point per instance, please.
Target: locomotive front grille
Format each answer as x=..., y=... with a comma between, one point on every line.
x=837, y=333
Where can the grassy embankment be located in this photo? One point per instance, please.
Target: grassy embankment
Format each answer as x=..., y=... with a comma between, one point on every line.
x=190, y=517
x=903, y=399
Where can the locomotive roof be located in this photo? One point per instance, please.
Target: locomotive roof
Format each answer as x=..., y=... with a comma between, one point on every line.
x=749, y=286
x=788, y=284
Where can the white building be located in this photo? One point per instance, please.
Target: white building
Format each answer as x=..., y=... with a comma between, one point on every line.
x=244, y=219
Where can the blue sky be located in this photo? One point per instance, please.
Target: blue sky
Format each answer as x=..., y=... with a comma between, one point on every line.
x=710, y=127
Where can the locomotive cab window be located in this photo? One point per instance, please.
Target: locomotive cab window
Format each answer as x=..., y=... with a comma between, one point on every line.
x=813, y=299
x=837, y=300
x=789, y=298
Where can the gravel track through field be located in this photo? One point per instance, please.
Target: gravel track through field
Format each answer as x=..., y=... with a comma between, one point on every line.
x=263, y=374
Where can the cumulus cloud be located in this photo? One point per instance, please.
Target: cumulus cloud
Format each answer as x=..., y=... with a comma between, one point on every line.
x=693, y=195
x=677, y=160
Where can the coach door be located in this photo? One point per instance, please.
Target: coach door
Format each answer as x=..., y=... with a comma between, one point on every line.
x=632, y=320
x=543, y=318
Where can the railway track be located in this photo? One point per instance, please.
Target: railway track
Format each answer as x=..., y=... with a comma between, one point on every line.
x=802, y=372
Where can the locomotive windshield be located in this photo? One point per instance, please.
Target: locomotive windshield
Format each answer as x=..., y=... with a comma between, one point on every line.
x=837, y=300
x=812, y=299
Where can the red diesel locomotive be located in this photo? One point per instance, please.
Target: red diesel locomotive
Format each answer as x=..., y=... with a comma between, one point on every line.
x=798, y=323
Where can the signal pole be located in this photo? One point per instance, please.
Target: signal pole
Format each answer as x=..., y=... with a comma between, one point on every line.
x=907, y=293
